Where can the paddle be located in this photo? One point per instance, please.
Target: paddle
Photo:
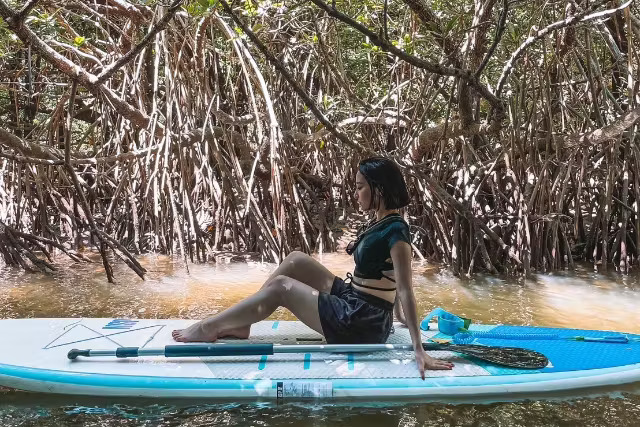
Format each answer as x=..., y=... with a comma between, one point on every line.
x=506, y=356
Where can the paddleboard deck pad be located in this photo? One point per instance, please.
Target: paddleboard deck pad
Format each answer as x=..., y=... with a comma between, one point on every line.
x=33, y=357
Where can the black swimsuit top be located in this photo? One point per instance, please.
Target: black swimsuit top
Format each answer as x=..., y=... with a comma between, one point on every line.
x=372, y=249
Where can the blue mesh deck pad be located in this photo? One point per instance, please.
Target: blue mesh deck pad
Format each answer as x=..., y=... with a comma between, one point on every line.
x=490, y=367
x=567, y=355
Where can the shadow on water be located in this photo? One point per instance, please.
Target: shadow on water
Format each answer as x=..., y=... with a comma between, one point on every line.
x=581, y=299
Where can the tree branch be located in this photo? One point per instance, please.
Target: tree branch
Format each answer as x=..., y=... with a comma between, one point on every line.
x=277, y=64
x=316, y=136
x=572, y=20
x=7, y=13
x=74, y=71
x=499, y=31
x=22, y=14
x=41, y=155
x=29, y=149
x=450, y=130
x=140, y=11
x=70, y=114
x=433, y=24
x=228, y=119
x=112, y=69
x=448, y=198
x=612, y=131
x=30, y=160
x=465, y=75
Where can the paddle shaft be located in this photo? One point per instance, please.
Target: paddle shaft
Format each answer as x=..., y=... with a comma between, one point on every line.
x=506, y=356
x=197, y=350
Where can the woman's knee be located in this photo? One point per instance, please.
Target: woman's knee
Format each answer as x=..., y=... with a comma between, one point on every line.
x=296, y=257
x=292, y=262
x=276, y=287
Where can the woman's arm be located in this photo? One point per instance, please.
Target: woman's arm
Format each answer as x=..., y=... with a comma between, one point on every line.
x=401, y=256
x=397, y=308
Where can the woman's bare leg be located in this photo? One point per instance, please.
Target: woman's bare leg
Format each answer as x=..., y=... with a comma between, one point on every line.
x=298, y=266
x=304, y=268
x=300, y=299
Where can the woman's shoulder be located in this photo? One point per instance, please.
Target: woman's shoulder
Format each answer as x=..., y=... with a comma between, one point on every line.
x=398, y=230
x=398, y=224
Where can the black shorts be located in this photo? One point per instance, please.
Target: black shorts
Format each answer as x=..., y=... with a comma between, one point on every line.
x=350, y=316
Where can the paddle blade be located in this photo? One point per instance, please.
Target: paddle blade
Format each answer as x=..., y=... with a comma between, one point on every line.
x=512, y=357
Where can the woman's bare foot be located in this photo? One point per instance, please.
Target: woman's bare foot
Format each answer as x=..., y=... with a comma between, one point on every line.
x=241, y=333
x=201, y=332
x=198, y=332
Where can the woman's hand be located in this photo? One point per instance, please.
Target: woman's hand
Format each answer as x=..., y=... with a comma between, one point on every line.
x=426, y=362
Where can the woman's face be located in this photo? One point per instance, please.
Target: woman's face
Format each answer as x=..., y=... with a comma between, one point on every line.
x=363, y=192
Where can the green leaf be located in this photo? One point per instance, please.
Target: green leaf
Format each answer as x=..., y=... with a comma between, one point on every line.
x=250, y=8
x=451, y=24
x=79, y=41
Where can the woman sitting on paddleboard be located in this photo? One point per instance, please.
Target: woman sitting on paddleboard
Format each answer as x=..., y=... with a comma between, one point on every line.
x=358, y=312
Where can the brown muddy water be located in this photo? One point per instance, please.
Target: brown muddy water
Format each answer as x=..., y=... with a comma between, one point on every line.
x=578, y=299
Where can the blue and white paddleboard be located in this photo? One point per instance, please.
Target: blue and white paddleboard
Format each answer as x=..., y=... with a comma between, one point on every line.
x=33, y=357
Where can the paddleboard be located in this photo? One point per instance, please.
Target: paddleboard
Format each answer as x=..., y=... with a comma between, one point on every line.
x=33, y=357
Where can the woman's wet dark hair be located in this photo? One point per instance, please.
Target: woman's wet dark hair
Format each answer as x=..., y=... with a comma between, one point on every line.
x=385, y=179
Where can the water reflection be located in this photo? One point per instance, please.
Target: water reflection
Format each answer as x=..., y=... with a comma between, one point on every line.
x=620, y=410
x=582, y=299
